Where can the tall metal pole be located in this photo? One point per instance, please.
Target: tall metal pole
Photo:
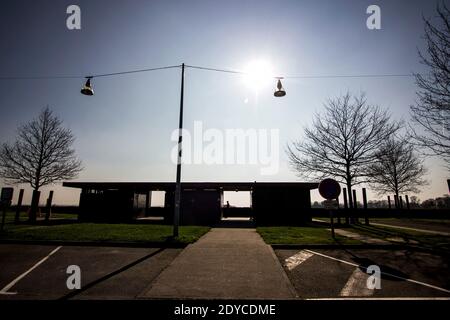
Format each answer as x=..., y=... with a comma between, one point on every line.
x=176, y=217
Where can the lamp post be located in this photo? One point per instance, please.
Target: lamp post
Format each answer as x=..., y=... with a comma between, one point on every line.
x=176, y=216
x=88, y=90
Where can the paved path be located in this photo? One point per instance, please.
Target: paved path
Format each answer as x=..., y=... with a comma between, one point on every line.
x=397, y=225
x=360, y=237
x=412, y=229
x=225, y=263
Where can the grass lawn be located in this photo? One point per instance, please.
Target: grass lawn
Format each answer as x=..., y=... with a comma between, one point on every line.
x=10, y=215
x=140, y=233
x=301, y=235
x=57, y=215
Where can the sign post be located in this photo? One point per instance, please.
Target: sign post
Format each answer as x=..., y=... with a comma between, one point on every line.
x=330, y=190
x=5, y=198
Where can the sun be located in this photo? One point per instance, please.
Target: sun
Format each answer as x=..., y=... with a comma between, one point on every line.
x=258, y=74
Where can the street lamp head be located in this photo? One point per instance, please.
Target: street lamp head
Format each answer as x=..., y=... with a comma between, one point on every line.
x=280, y=91
x=87, y=89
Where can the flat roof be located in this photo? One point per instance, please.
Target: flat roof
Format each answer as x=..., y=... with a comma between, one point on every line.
x=227, y=186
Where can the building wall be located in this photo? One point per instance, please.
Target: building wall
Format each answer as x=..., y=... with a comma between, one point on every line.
x=271, y=205
x=281, y=206
x=106, y=206
x=198, y=207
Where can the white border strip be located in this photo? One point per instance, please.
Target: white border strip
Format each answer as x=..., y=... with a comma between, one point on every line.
x=382, y=298
x=23, y=275
x=297, y=259
x=357, y=285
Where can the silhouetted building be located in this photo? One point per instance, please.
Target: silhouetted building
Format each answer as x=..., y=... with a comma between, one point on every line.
x=272, y=203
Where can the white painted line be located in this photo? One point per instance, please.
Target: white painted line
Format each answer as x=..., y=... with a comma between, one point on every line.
x=356, y=285
x=297, y=259
x=332, y=258
x=383, y=298
x=23, y=275
x=385, y=273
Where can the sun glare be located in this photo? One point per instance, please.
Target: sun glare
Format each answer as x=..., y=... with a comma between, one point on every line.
x=258, y=74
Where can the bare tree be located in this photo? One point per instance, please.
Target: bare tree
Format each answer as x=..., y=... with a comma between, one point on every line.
x=342, y=141
x=397, y=168
x=432, y=110
x=41, y=154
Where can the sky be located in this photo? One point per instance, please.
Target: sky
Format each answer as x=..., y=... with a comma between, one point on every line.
x=123, y=132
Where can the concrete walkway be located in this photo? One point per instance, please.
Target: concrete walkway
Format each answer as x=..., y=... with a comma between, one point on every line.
x=225, y=263
x=360, y=237
x=441, y=233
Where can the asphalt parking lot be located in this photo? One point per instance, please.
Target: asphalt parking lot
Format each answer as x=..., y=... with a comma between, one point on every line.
x=106, y=272
x=342, y=273
x=39, y=272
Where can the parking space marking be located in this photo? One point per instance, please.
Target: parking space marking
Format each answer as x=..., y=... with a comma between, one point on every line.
x=297, y=259
x=332, y=258
x=385, y=273
x=357, y=285
x=5, y=290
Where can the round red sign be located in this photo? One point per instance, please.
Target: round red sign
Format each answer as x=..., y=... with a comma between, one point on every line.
x=329, y=189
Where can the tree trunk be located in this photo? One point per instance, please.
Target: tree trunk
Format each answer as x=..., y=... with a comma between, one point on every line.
x=19, y=207
x=345, y=206
x=397, y=200
x=350, y=200
x=34, y=206
x=350, y=196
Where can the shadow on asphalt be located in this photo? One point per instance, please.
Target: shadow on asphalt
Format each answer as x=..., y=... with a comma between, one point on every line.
x=110, y=275
x=387, y=272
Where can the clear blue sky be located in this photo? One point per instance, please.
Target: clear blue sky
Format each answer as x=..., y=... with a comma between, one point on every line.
x=123, y=132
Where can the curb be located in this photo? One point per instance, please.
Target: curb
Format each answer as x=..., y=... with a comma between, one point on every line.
x=283, y=274
x=98, y=244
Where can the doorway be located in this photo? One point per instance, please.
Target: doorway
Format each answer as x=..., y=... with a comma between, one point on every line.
x=237, y=206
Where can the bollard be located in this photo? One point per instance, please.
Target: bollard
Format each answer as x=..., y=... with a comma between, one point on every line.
x=355, y=206
x=366, y=218
x=49, y=206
